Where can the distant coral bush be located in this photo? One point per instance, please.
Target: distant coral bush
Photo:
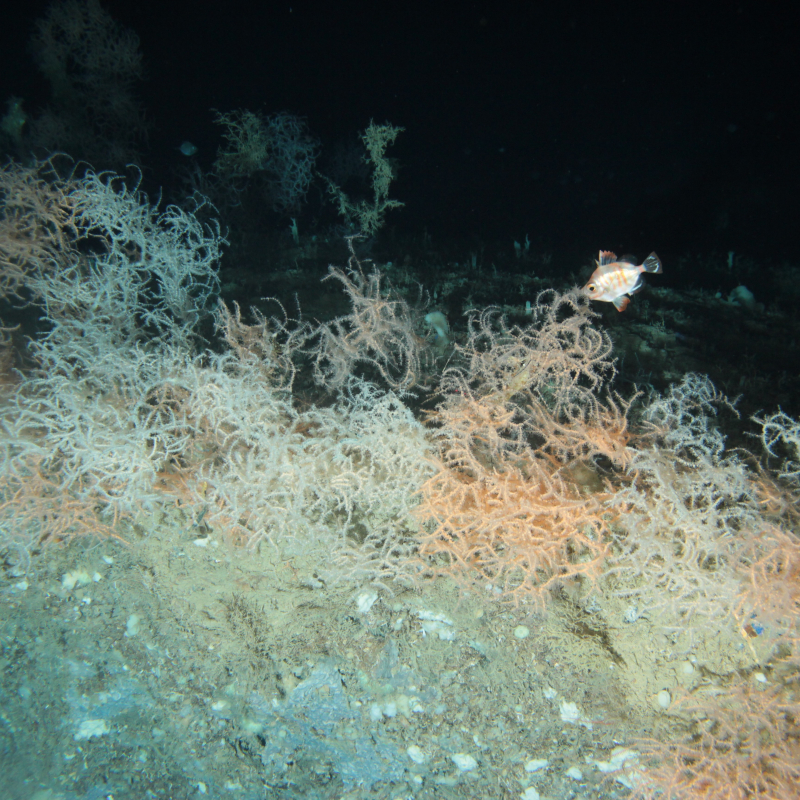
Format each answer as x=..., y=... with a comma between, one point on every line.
x=93, y=65
x=367, y=216
x=277, y=149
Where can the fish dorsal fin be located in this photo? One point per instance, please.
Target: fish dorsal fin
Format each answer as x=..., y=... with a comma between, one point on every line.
x=606, y=257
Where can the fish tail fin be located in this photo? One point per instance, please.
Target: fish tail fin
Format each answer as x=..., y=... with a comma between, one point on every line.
x=652, y=263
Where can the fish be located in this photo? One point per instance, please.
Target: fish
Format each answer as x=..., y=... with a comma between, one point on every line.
x=614, y=280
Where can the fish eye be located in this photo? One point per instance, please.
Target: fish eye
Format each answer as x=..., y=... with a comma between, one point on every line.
x=591, y=287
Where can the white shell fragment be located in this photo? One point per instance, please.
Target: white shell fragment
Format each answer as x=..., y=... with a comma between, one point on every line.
x=132, y=626
x=77, y=577
x=442, y=631
x=624, y=762
x=434, y=616
x=435, y=623
x=366, y=600
x=464, y=761
x=572, y=714
x=415, y=754
x=90, y=728
x=574, y=773
x=535, y=764
x=620, y=757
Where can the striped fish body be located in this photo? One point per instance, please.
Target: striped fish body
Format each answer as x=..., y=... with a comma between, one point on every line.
x=614, y=280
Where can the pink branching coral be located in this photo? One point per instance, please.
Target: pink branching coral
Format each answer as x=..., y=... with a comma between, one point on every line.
x=522, y=407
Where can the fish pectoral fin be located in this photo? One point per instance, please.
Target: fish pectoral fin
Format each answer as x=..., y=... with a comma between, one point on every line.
x=638, y=286
x=652, y=263
x=621, y=302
